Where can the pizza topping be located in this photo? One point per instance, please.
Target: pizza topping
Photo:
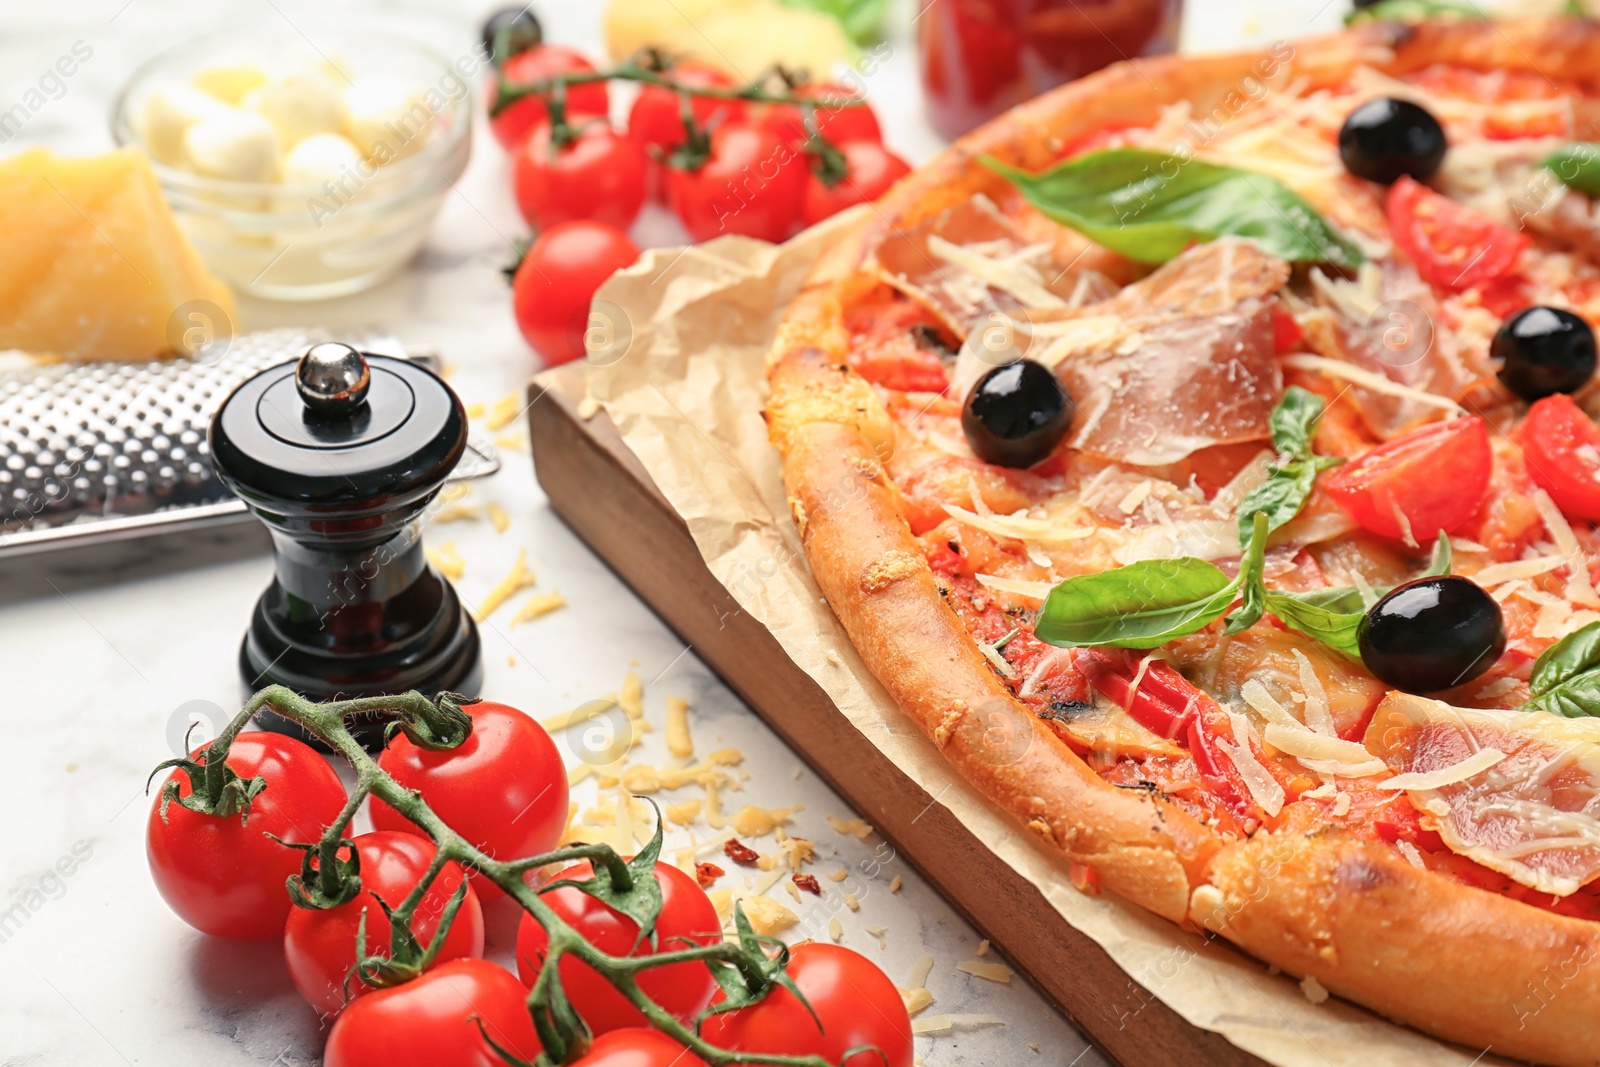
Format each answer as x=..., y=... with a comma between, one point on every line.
x=1386, y=138
x=1544, y=350
x=1264, y=789
x=1519, y=792
x=1432, y=634
x=1415, y=486
x=1453, y=247
x=1562, y=447
x=1016, y=414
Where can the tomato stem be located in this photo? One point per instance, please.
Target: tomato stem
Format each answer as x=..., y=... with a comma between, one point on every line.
x=508, y=93
x=557, y=1023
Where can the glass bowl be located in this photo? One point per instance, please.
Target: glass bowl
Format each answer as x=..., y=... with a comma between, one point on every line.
x=307, y=241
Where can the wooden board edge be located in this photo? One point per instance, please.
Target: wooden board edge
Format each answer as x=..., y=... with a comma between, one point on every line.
x=600, y=489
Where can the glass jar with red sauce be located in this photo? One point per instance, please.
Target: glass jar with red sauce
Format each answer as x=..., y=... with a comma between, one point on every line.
x=980, y=57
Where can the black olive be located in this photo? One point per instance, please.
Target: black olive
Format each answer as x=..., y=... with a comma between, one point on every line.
x=509, y=31
x=1432, y=634
x=1016, y=414
x=1385, y=138
x=1545, y=350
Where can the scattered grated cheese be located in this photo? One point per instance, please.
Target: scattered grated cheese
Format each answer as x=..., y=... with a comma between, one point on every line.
x=894, y=887
x=538, y=605
x=1313, y=990
x=678, y=740
x=1496, y=573
x=1321, y=792
x=851, y=902
x=1318, y=715
x=1341, y=805
x=722, y=900
x=990, y=972
x=982, y=949
x=996, y=660
x=475, y=410
x=752, y=821
x=1012, y=274
x=1016, y=586
x=1264, y=789
x=1303, y=744
x=836, y=929
x=838, y=875
x=587, y=408
x=456, y=512
x=1470, y=767
x=1255, y=694
x=447, y=560
x=1412, y=854
x=682, y=812
x=506, y=409
x=1377, y=383
x=631, y=696
x=1018, y=526
x=511, y=442
x=1579, y=589
x=947, y=1024
x=519, y=579
x=915, y=1000
x=920, y=971
x=859, y=829
x=877, y=931
x=498, y=518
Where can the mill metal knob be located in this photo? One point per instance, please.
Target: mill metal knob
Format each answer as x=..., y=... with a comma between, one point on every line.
x=339, y=454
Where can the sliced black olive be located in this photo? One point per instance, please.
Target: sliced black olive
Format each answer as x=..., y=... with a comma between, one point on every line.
x=1385, y=138
x=1432, y=634
x=509, y=31
x=1545, y=350
x=1016, y=414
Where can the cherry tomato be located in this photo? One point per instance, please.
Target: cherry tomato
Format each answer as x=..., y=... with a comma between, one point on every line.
x=873, y=168
x=429, y=1021
x=226, y=877
x=656, y=119
x=684, y=989
x=1435, y=476
x=1452, y=246
x=556, y=283
x=514, y=124
x=1561, y=446
x=855, y=1001
x=599, y=176
x=639, y=1047
x=753, y=183
x=504, y=788
x=320, y=945
x=836, y=122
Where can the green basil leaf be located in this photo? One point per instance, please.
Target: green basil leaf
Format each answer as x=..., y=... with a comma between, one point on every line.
x=1289, y=481
x=1142, y=605
x=1576, y=166
x=862, y=19
x=1252, y=581
x=1294, y=421
x=1339, y=630
x=1440, y=566
x=1345, y=599
x=1566, y=676
x=1411, y=11
x=1150, y=206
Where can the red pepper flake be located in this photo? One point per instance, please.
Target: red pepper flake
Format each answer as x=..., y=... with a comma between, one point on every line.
x=808, y=882
x=743, y=855
x=707, y=873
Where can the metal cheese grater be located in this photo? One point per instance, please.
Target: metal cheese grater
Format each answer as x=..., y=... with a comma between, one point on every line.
x=93, y=452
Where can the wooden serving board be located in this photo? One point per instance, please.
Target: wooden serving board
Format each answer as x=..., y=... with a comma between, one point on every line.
x=598, y=486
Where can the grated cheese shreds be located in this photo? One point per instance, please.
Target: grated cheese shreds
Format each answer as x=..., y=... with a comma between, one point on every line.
x=1019, y=527
x=1313, y=990
x=589, y=709
x=498, y=518
x=895, y=884
x=1299, y=742
x=1318, y=715
x=988, y=971
x=948, y=1024
x=920, y=971
x=682, y=812
x=859, y=829
x=511, y=442
x=456, y=512
x=678, y=740
x=1497, y=573
x=752, y=821
x=1579, y=589
x=519, y=579
x=915, y=1000
x=1264, y=789
x=1011, y=275
x=538, y=605
x=1377, y=383
x=506, y=409
x=1470, y=767
x=1255, y=694
x=1015, y=586
x=983, y=948
x=836, y=929
x=631, y=696
x=447, y=560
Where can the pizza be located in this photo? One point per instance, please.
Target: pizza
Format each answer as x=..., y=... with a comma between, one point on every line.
x=1202, y=456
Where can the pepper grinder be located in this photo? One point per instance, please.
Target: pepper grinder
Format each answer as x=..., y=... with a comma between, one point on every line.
x=340, y=455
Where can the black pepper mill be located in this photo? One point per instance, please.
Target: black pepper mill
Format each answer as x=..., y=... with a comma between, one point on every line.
x=340, y=454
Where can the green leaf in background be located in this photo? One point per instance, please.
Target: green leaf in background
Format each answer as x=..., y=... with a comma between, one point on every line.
x=1566, y=676
x=1576, y=166
x=1288, y=483
x=1150, y=206
x=862, y=19
x=1142, y=605
x=1411, y=11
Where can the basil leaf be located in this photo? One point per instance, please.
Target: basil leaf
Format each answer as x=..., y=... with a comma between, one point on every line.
x=1339, y=630
x=1566, y=676
x=1142, y=605
x=1294, y=421
x=1345, y=599
x=1411, y=11
x=1251, y=578
x=1577, y=166
x=1440, y=566
x=1150, y=206
x=1289, y=481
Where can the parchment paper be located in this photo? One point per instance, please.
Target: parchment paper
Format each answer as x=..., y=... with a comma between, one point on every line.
x=678, y=366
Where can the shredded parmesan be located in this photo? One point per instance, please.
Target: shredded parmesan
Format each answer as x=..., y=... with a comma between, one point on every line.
x=498, y=518
x=447, y=560
x=1333, y=368
x=1019, y=527
x=1579, y=589
x=948, y=1024
x=859, y=829
x=1318, y=715
x=519, y=579
x=506, y=409
x=992, y=972
x=1496, y=573
x=1013, y=274
x=584, y=712
x=1313, y=990
x=1470, y=767
x=631, y=696
x=1264, y=788
x=678, y=740
x=1015, y=586
x=538, y=605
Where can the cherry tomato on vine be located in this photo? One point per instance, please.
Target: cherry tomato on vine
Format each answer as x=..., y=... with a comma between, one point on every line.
x=504, y=788
x=1452, y=246
x=599, y=175
x=320, y=945
x=872, y=169
x=752, y=183
x=656, y=119
x=856, y=1002
x=637, y=1047
x=225, y=876
x=429, y=1021
x=836, y=122
x=687, y=916
x=1561, y=446
x=1430, y=479
x=543, y=61
x=553, y=288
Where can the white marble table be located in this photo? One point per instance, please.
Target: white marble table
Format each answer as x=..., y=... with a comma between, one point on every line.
x=94, y=664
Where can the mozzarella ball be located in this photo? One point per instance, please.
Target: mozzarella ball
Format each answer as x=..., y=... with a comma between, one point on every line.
x=300, y=104
x=237, y=145
x=169, y=110
x=386, y=118
x=320, y=158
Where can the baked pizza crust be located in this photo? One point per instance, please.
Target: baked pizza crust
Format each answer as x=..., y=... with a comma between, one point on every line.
x=1463, y=964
